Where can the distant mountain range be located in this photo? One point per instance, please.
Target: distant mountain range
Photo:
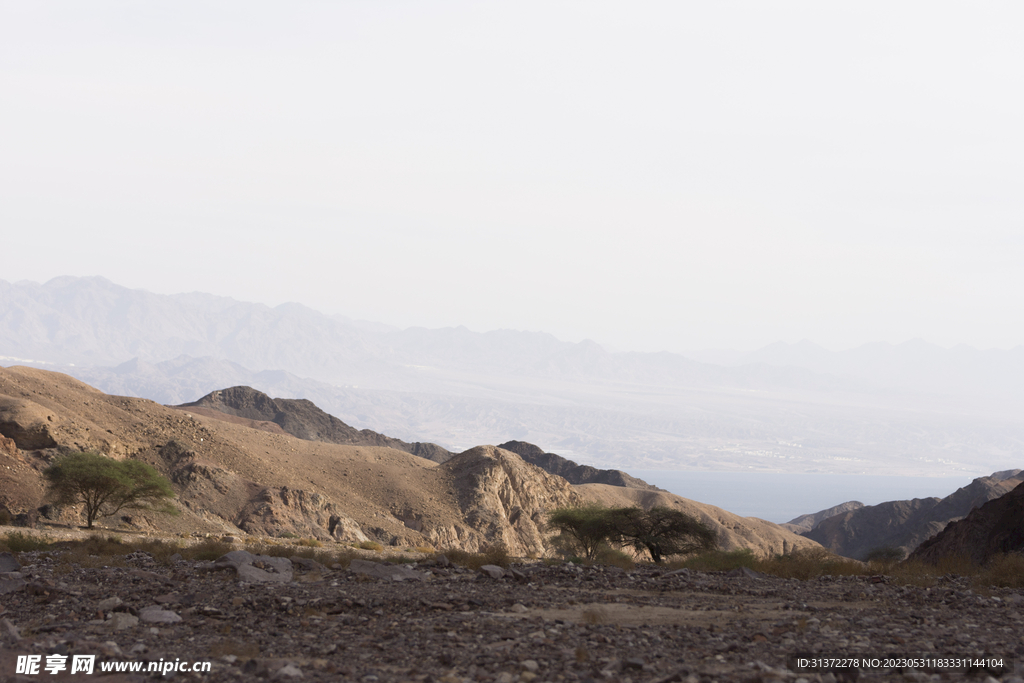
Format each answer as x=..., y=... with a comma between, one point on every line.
x=786, y=411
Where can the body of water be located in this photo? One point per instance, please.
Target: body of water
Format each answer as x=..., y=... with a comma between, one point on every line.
x=781, y=497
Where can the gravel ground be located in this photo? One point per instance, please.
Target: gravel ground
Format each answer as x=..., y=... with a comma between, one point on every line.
x=538, y=623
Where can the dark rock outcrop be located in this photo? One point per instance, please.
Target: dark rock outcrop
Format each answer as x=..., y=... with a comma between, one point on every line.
x=572, y=472
x=995, y=527
x=302, y=419
x=906, y=524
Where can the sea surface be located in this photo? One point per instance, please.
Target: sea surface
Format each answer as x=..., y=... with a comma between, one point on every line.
x=781, y=497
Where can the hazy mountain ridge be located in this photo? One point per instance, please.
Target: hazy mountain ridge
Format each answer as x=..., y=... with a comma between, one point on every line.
x=458, y=388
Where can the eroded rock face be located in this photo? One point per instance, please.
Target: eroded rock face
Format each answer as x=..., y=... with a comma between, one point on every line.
x=504, y=500
x=277, y=511
x=26, y=423
x=995, y=527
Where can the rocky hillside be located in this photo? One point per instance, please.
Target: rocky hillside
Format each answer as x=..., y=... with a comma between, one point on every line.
x=240, y=476
x=805, y=523
x=302, y=419
x=995, y=527
x=572, y=472
x=907, y=523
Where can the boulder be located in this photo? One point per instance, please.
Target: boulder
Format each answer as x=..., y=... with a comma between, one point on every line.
x=8, y=563
x=391, y=572
x=257, y=568
x=158, y=615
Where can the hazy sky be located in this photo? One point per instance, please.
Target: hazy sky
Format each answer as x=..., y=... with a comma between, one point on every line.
x=649, y=175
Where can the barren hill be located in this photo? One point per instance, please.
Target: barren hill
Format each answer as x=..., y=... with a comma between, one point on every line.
x=572, y=472
x=233, y=478
x=302, y=419
x=805, y=523
x=907, y=523
x=995, y=527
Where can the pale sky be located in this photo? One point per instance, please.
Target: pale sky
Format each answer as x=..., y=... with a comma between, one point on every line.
x=648, y=175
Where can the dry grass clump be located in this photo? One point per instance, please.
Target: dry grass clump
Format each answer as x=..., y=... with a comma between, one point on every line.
x=370, y=545
x=717, y=561
x=20, y=542
x=614, y=558
x=809, y=564
x=801, y=564
x=495, y=554
x=1006, y=571
x=207, y=549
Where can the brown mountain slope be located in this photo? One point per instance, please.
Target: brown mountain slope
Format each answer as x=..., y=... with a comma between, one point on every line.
x=230, y=477
x=995, y=527
x=572, y=472
x=906, y=524
x=302, y=419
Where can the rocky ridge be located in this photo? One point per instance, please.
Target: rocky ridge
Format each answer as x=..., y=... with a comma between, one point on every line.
x=805, y=523
x=995, y=527
x=302, y=419
x=571, y=471
x=905, y=524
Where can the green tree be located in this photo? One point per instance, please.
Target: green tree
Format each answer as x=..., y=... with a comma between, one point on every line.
x=585, y=529
x=662, y=531
x=106, y=486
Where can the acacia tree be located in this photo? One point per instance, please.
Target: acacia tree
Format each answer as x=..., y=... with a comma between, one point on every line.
x=660, y=531
x=106, y=486
x=586, y=528
x=663, y=531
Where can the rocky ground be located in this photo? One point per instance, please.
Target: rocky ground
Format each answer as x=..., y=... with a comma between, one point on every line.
x=260, y=618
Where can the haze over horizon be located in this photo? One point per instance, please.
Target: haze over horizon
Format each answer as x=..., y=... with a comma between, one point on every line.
x=652, y=177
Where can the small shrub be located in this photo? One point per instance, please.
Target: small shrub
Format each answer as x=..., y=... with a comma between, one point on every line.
x=425, y=549
x=309, y=543
x=370, y=545
x=496, y=554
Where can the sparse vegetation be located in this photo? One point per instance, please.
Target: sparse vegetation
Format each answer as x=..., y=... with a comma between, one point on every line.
x=106, y=486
